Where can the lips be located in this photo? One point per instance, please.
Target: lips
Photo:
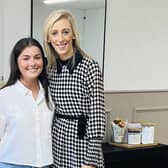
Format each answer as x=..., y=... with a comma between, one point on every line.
x=61, y=46
x=32, y=69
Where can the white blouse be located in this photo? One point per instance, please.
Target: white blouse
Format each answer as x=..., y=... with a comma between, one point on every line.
x=25, y=127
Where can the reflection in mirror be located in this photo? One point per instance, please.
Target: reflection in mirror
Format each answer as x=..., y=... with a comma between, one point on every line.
x=90, y=17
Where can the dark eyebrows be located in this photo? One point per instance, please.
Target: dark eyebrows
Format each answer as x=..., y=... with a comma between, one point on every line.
x=25, y=55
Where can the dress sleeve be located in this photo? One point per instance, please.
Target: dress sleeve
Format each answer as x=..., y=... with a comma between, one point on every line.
x=96, y=123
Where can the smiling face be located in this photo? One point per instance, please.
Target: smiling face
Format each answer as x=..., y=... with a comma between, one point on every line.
x=61, y=38
x=30, y=64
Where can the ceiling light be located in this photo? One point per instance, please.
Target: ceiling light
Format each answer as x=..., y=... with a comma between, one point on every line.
x=56, y=1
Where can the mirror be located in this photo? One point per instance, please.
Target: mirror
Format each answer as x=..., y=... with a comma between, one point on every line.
x=90, y=18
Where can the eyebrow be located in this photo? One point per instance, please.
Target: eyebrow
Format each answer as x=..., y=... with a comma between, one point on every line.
x=26, y=55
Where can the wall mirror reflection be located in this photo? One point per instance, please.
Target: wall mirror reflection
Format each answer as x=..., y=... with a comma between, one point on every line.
x=90, y=17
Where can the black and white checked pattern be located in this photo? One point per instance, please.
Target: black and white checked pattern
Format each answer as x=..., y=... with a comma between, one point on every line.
x=80, y=92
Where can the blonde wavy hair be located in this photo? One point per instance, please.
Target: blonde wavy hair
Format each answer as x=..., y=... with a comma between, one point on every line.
x=48, y=25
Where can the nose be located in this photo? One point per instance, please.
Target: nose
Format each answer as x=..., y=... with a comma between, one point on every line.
x=32, y=62
x=60, y=37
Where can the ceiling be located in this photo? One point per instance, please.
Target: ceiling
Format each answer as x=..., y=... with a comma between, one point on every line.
x=81, y=4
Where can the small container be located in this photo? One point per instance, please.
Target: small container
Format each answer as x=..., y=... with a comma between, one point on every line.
x=148, y=133
x=134, y=135
x=118, y=131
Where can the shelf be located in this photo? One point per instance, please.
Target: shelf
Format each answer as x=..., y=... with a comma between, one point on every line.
x=133, y=145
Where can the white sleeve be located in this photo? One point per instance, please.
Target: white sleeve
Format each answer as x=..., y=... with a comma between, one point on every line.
x=2, y=124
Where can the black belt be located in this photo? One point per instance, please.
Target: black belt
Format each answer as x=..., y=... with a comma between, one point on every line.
x=82, y=122
x=70, y=117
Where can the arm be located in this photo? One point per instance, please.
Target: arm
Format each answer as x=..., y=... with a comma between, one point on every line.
x=2, y=116
x=2, y=124
x=96, y=123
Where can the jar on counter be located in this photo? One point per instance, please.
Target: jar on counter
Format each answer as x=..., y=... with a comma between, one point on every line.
x=148, y=133
x=134, y=135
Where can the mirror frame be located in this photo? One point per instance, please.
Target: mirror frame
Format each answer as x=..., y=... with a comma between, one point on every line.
x=104, y=33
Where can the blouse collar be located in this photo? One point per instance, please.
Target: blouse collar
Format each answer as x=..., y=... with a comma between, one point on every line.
x=69, y=63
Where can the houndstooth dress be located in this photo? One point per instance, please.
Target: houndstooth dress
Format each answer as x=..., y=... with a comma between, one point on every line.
x=75, y=91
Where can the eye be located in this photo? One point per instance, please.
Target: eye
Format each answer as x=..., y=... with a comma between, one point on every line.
x=54, y=33
x=25, y=58
x=66, y=32
x=38, y=57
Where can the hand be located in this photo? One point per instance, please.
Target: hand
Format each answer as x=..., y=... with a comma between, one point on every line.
x=88, y=166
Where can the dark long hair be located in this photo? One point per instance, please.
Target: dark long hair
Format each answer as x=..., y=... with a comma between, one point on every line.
x=14, y=69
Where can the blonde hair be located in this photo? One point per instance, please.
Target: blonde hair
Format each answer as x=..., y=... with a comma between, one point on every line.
x=49, y=23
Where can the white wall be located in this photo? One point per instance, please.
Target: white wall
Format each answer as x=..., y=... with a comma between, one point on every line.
x=1, y=37
x=94, y=33
x=15, y=24
x=136, y=56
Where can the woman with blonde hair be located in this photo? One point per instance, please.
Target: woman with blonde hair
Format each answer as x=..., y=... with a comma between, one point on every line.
x=76, y=85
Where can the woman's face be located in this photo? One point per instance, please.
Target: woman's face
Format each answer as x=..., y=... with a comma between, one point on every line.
x=61, y=37
x=30, y=63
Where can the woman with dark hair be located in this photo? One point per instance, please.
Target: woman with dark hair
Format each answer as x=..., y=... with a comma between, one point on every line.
x=26, y=109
